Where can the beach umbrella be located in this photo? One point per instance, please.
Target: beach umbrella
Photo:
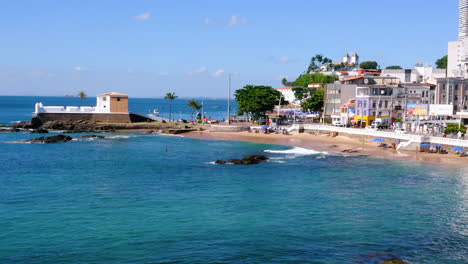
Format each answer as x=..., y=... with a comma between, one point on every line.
x=458, y=148
x=436, y=145
x=378, y=140
x=425, y=145
x=265, y=127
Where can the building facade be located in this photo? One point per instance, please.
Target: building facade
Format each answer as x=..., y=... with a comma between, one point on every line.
x=420, y=74
x=337, y=94
x=457, y=65
x=453, y=91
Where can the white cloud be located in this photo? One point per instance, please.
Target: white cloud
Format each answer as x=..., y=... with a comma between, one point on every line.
x=285, y=59
x=79, y=69
x=142, y=16
x=218, y=73
x=199, y=71
x=209, y=21
x=235, y=20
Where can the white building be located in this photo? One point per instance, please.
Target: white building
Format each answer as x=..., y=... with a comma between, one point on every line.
x=420, y=74
x=351, y=59
x=288, y=94
x=105, y=104
x=457, y=65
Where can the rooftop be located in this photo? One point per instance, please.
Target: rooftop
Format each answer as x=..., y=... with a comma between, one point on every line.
x=114, y=94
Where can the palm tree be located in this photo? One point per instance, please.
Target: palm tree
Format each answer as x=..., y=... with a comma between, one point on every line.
x=82, y=95
x=171, y=97
x=195, y=105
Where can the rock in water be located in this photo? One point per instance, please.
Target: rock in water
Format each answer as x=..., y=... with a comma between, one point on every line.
x=53, y=139
x=251, y=159
x=394, y=261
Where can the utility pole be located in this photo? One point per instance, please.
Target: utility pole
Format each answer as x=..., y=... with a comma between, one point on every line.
x=229, y=101
x=405, y=106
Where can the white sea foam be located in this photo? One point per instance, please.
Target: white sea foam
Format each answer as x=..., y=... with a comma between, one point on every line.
x=118, y=137
x=297, y=151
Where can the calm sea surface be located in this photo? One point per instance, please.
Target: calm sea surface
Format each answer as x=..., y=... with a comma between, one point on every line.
x=147, y=198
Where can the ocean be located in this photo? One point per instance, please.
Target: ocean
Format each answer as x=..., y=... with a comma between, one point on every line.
x=149, y=198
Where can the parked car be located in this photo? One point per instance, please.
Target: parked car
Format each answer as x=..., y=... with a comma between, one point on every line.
x=400, y=131
x=372, y=127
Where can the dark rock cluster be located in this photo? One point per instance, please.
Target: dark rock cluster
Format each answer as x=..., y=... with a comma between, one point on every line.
x=251, y=159
x=52, y=139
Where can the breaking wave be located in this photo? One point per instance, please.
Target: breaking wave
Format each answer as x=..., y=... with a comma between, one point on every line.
x=297, y=151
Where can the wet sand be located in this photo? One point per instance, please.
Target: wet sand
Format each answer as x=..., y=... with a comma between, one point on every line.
x=339, y=144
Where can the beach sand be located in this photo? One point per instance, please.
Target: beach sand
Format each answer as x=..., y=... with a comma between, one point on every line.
x=339, y=144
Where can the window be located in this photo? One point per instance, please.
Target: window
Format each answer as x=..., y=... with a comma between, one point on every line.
x=104, y=99
x=118, y=99
x=386, y=104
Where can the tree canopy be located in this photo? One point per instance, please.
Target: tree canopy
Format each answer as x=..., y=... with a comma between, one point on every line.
x=170, y=96
x=305, y=79
x=369, y=65
x=257, y=99
x=314, y=102
x=82, y=95
x=395, y=67
x=442, y=63
x=317, y=62
x=194, y=104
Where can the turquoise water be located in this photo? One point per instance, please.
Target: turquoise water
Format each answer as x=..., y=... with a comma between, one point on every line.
x=148, y=198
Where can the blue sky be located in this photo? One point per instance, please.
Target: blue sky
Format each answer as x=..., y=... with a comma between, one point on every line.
x=147, y=47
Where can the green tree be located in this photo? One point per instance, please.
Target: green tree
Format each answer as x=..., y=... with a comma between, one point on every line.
x=395, y=67
x=257, y=100
x=195, y=105
x=314, y=102
x=284, y=81
x=82, y=95
x=305, y=79
x=317, y=62
x=442, y=63
x=369, y=65
x=171, y=97
x=454, y=128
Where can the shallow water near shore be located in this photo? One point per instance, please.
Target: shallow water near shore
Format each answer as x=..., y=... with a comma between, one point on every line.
x=146, y=198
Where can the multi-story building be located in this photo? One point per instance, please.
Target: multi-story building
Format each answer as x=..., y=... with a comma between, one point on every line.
x=378, y=102
x=453, y=91
x=457, y=64
x=420, y=74
x=419, y=93
x=337, y=94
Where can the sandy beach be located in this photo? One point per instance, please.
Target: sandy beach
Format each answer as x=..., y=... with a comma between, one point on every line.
x=339, y=144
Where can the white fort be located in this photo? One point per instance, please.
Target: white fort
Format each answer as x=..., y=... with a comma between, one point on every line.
x=457, y=65
x=108, y=103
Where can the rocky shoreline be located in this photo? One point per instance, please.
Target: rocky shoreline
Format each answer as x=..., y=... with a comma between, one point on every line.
x=85, y=126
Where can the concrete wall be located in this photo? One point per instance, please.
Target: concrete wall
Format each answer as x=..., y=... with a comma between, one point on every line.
x=113, y=118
